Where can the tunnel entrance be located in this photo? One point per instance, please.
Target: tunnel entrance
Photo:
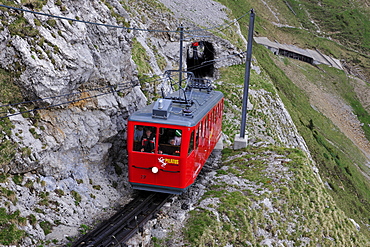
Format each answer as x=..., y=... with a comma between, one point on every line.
x=199, y=59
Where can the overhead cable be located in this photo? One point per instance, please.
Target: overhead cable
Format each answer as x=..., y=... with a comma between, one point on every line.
x=134, y=83
x=69, y=94
x=208, y=62
x=86, y=22
x=115, y=26
x=127, y=86
x=52, y=97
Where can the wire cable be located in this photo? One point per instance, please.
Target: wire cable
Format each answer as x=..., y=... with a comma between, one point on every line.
x=203, y=64
x=206, y=63
x=134, y=83
x=86, y=22
x=127, y=86
x=120, y=27
x=69, y=94
x=52, y=97
x=63, y=103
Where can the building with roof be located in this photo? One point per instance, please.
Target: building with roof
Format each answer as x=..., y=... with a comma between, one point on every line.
x=306, y=55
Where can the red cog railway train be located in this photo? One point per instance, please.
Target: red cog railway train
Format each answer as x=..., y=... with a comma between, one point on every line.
x=170, y=140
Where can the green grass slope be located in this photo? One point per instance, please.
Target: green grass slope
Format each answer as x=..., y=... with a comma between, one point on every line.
x=337, y=157
x=265, y=195
x=339, y=29
x=239, y=215
x=275, y=200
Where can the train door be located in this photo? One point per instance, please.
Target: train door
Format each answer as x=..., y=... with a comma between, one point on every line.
x=199, y=147
x=142, y=151
x=207, y=133
x=192, y=164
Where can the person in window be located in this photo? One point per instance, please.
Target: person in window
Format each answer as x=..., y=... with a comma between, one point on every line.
x=178, y=137
x=148, y=141
x=170, y=149
x=172, y=142
x=138, y=133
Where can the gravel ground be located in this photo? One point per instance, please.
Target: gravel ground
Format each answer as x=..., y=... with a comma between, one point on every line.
x=205, y=13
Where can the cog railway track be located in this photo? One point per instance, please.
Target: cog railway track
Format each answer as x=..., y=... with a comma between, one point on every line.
x=125, y=223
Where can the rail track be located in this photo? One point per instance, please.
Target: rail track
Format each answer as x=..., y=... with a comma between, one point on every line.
x=125, y=223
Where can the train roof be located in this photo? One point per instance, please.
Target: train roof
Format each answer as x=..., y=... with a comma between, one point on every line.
x=180, y=113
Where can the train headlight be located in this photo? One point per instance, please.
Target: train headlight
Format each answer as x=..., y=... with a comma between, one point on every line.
x=155, y=169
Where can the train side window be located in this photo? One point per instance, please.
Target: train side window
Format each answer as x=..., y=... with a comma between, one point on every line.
x=205, y=125
x=197, y=137
x=221, y=110
x=191, y=144
x=144, y=138
x=138, y=133
x=204, y=128
x=169, y=141
x=201, y=129
x=213, y=118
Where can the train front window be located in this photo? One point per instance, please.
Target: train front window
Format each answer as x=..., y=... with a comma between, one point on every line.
x=169, y=141
x=144, y=138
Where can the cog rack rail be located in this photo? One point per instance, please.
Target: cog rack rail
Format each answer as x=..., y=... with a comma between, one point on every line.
x=125, y=223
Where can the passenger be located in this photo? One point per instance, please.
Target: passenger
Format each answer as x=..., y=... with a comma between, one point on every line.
x=171, y=142
x=148, y=141
x=170, y=150
x=177, y=137
x=138, y=133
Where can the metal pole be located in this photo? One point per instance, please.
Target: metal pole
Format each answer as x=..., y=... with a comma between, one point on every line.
x=181, y=41
x=247, y=74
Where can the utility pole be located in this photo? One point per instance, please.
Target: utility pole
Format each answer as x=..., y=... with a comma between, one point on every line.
x=241, y=141
x=181, y=44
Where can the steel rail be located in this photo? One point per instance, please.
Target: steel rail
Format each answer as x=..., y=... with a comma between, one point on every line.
x=125, y=223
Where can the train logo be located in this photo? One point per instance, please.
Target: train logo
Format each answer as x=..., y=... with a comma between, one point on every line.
x=162, y=161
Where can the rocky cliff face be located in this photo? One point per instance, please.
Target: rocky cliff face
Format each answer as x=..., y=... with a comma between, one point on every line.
x=75, y=152
x=71, y=157
x=69, y=57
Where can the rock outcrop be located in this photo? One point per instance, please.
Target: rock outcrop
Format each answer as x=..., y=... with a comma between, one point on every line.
x=84, y=80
